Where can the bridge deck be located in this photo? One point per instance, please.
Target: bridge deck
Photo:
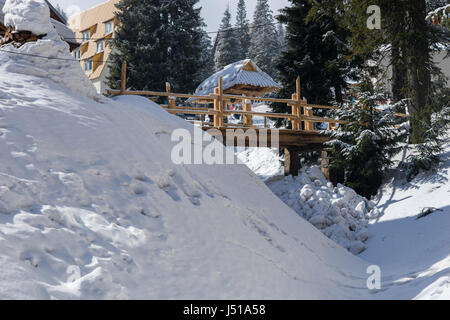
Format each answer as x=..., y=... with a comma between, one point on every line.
x=292, y=139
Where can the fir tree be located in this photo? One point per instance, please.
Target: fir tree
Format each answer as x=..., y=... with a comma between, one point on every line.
x=207, y=59
x=362, y=147
x=242, y=29
x=281, y=37
x=264, y=46
x=162, y=41
x=227, y=50
x=410, y=39
x=427, y=153
x=315, y=49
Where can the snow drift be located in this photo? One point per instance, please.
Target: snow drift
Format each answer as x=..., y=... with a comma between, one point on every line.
x=88, y=189
x=340, y=213
x=48, y=57
x=91, y=205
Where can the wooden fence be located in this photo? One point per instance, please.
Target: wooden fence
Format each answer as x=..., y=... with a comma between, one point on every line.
x=301, y=116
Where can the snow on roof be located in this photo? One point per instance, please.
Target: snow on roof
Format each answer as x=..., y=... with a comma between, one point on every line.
x=244, y=72
x=28, y=15
x=64, y=31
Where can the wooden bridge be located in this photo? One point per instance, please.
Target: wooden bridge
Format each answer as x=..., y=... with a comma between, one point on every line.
x=302, y=137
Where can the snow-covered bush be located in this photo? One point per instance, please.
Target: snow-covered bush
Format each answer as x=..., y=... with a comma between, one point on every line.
x=339, y=212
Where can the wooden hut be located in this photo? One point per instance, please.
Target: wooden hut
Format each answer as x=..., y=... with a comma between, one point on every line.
x=242, y=78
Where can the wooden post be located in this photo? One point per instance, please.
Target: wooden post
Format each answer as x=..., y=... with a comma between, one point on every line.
x=171, y=104
x=291, y=162
x=299, y=101
x=295, y=113
x=309, y=125
x=247, y=119
x=265, y=122
x=218, y=104
x=123, y=78
x=216, y=107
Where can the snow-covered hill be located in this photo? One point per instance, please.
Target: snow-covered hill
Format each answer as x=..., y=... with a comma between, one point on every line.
x=91, y=206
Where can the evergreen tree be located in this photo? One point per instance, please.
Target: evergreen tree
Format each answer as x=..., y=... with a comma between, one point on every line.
x=207, y=59
x=264, y=46
x=316, y=49
x=410, y=39
x=281, y=37
x=162, y=41
x=362, y=147
x=242, y=29
x=227, y=50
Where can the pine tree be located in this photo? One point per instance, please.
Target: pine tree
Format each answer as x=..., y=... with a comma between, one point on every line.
x=410, y=38
x=242, y=29
x=207, y=59
x=315, y=49
x=281, y=33
x=227, y=50
x=264, y=47
x=162, y=41
x=362, y=147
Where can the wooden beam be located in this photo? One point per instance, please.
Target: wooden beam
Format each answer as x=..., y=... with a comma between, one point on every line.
x=161, y=94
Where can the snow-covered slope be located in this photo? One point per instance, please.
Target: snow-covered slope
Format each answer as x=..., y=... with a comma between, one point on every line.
x=414, y=254
x=92, y=207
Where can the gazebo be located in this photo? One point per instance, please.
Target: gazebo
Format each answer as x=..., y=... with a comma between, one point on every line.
x=242, y=78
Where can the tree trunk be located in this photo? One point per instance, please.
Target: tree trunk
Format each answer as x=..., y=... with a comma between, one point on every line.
x=399, y=73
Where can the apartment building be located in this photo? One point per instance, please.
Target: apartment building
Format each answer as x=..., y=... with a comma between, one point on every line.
x=94, y=27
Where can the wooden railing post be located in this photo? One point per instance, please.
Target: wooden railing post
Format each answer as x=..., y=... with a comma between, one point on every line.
x=309, y=125
x=218, y=104
x=298, y=102
x=247, y=119
x=123, y=78
x=171, y=103
x=296, y=106
x=295, y=113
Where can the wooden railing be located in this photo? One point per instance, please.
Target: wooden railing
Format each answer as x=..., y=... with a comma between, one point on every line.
x=301, y=116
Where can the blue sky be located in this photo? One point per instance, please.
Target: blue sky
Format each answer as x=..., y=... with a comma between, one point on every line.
x=212, y=9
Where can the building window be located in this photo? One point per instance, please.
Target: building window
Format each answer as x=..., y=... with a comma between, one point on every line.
x=86, y=35
x=77, y=54
x=100, y=46
x=109, y=26
x=88, y=65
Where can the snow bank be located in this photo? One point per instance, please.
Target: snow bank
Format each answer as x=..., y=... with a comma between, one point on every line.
x=46, y=58
x=264, y=162
x=413, y=254
x=93, y=207
x=339, y=212
x=28, y=15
